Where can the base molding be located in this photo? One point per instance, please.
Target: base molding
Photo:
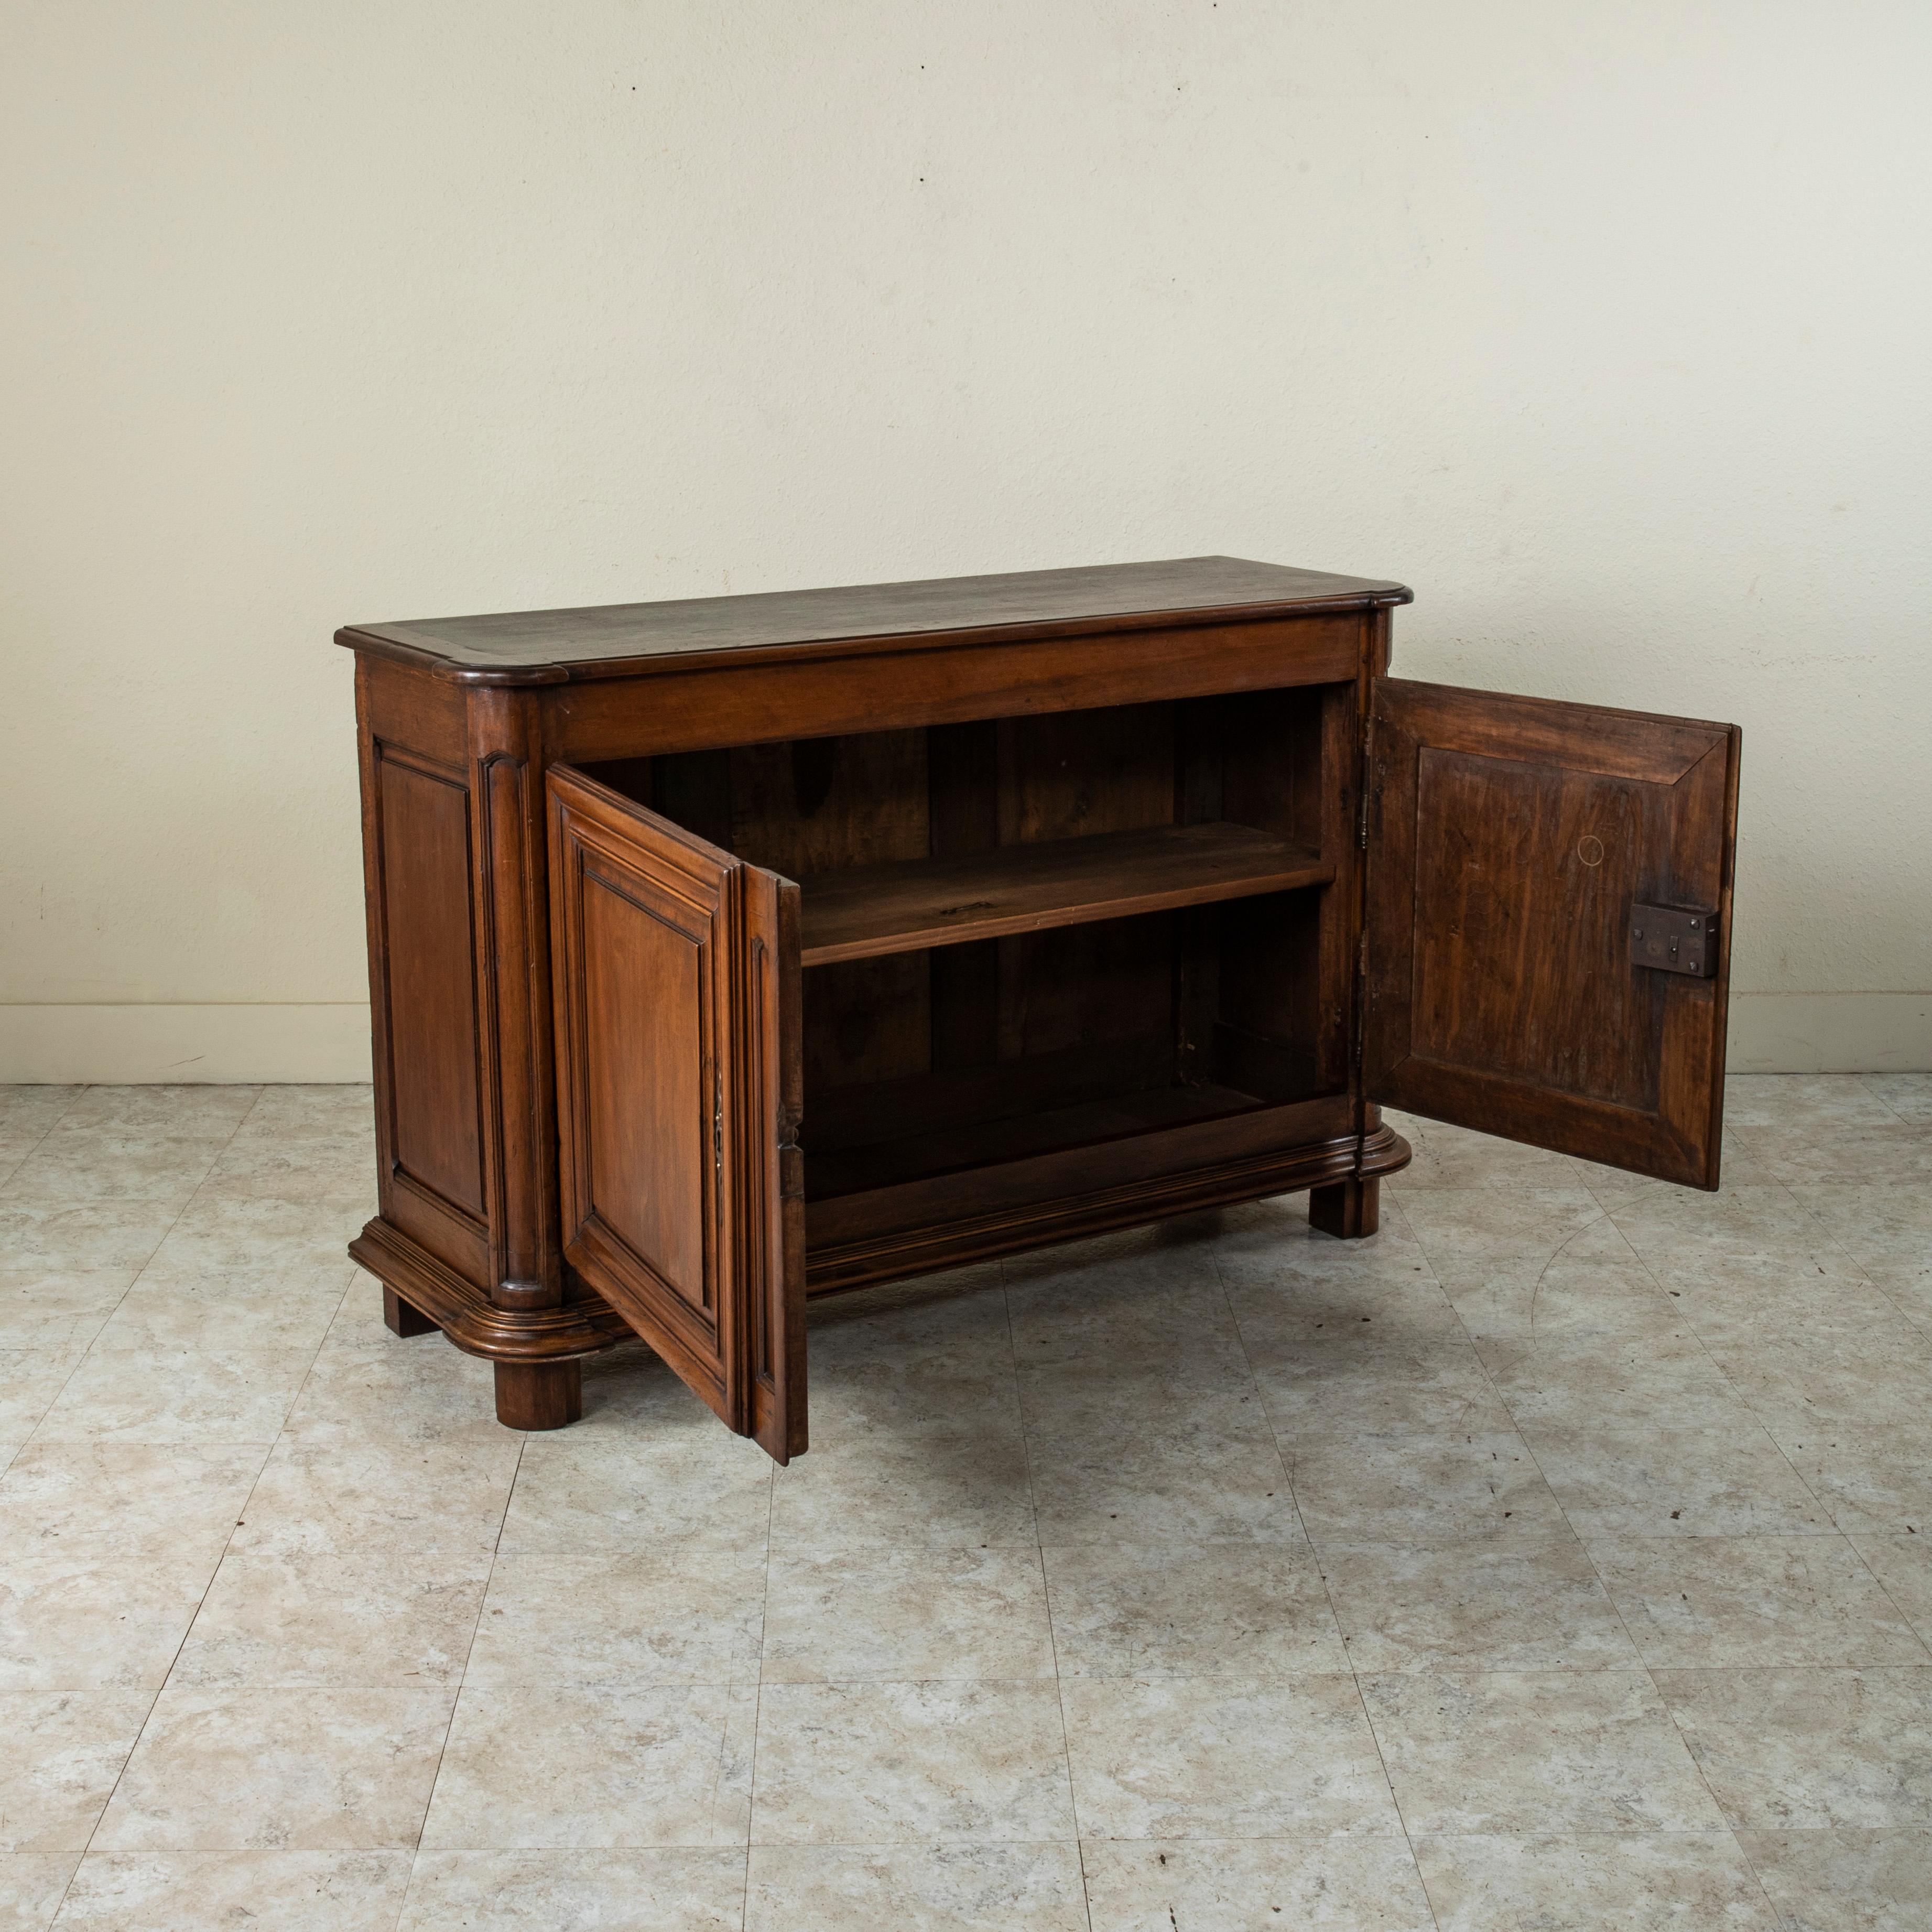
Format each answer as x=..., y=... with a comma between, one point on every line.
x=411, y=1275
x=470, y=1319
x=833, y=1269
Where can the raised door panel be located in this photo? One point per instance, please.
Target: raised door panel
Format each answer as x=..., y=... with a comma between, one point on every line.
x=644, y=1107
x=676, y=990
x=1515, y=842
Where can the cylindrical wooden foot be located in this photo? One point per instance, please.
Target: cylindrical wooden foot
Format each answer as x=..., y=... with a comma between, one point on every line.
x=402, y=1318
x=1346, y=1209
x=539, y=1395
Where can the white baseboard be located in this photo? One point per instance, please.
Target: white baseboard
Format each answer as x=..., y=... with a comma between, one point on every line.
x=1771, y=1032
x=1831, y=1033
x=144, y=1045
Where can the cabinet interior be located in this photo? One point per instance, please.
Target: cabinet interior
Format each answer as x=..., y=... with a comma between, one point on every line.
x=1021, y=935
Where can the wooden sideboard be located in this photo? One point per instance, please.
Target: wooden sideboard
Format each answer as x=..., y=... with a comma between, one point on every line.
x=733, y=950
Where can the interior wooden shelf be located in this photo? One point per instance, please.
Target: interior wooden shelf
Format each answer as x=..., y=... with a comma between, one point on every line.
x=925, y=902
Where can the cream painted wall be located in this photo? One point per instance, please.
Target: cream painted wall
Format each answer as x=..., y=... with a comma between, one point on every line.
x=1604, y=327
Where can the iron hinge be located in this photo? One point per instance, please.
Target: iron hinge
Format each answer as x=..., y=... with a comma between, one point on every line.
x=1360, y=1017
x=1367, y=768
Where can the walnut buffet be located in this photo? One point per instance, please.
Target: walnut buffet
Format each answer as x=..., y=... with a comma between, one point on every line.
x=731, y=951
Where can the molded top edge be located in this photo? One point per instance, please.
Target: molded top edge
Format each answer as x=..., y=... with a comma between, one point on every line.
x=543, y=646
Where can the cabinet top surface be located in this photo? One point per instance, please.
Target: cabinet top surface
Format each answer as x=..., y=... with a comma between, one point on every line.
x=516, y=646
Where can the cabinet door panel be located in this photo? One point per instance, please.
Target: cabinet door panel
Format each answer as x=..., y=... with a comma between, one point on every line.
x=1513, y=841
x=677, y=993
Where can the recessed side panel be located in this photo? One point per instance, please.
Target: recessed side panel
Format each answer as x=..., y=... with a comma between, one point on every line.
x=1513, y=842
x=428, y=956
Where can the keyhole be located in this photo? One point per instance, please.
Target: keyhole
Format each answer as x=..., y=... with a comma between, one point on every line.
x=1590, y=850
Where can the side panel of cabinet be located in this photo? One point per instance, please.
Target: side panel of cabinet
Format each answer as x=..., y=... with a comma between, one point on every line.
x=676, y=980
x=1514, y=840
x=425, y=819
x=418, y=866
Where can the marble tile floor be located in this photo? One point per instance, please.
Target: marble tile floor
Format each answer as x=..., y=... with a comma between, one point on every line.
x=1561, y=1557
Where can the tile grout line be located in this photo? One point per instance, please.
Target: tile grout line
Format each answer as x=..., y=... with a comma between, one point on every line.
x=1918, y=1324
x=81, y=1360
x=227, y=1549
x=1743, y=1395
x=1020, y=1412
x=1321, y=1570
x=1797, y=1475
x=1864, y=1275
x=1636, y=1649
x=140, y=1274
x=1689, y=1322
x=1905, y=1315
x=1609, y=1596
x=1704, y=1348
x=1046, y=1599
x=757, y=1703
x=74, y=1101
x=1864, y=1079
x=1852, y=1261
x=463, y=1675
x=214, y=1570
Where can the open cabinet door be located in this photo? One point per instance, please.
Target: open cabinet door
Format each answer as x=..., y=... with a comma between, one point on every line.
x=1549, y=923
x=677, y=993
